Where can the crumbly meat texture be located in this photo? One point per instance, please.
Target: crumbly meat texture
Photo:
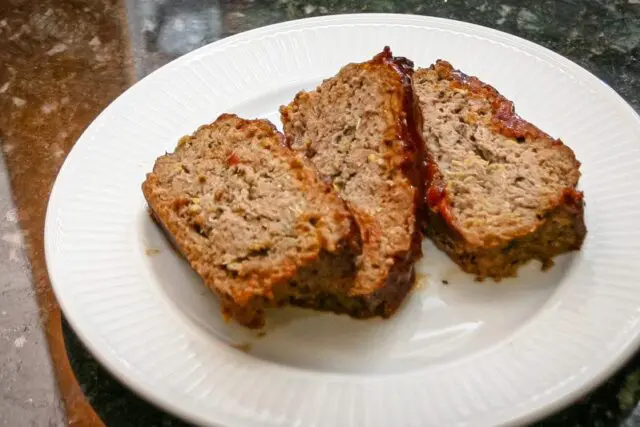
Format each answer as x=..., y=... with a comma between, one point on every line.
x=500, y=192
x=357, y=129
x=253, y=218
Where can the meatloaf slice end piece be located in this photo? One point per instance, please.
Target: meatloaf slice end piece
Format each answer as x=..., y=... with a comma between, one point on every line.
x=357, y=129
x=252, y=218
x=500, y=192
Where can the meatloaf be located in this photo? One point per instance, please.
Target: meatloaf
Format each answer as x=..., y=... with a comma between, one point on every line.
x=253, y=218
x=357, y=129
x=499, y=191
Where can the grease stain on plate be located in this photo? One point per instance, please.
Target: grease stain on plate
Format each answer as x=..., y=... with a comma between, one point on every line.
x=422, y=281
x=244, y=347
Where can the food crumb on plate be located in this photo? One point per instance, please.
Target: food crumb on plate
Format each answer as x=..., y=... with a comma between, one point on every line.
x=152, y=251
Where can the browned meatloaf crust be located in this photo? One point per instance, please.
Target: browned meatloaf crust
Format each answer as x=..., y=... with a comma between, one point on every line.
x=500, y=192
x=252, y=218
x=357, y=129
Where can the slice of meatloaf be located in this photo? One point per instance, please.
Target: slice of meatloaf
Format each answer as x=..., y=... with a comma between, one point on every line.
x=252, y=218
x=500, y=192
x=357, y=130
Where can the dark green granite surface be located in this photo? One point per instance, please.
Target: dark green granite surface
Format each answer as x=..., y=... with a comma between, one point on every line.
x=603, y=36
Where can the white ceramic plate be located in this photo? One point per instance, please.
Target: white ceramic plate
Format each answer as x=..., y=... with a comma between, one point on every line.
x=457, y=354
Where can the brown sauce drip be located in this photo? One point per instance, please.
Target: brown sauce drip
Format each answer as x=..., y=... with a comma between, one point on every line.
x=414, y=166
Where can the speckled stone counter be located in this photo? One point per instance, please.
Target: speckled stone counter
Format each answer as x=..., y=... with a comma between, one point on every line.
x=62, y=62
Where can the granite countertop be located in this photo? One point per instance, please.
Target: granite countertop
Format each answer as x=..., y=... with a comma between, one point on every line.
x=61, y=62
